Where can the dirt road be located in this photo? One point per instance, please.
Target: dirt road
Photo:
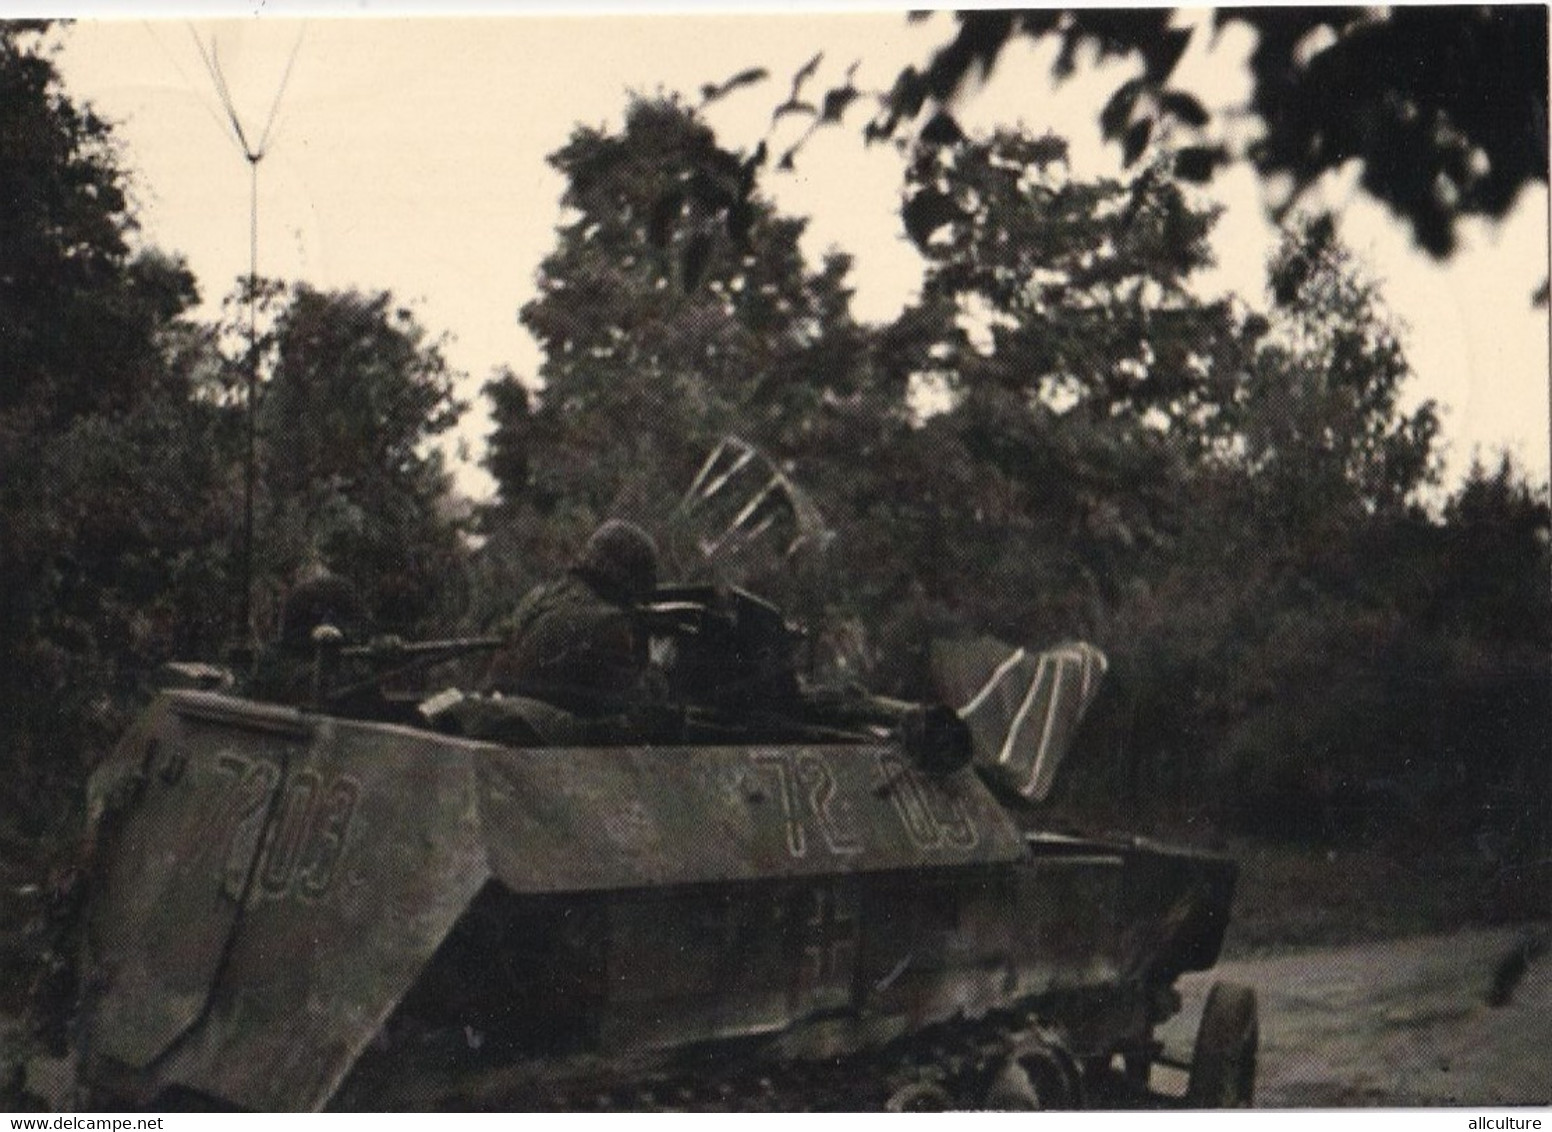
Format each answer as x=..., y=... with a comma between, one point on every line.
x=1395, y=1024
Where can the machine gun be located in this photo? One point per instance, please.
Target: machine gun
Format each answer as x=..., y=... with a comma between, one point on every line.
x=321, y=672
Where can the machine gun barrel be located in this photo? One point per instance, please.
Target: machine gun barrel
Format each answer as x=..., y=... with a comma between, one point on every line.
x=394, y=649
x=390, y=657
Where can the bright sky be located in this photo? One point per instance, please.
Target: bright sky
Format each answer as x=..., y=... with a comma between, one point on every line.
x=408, y=155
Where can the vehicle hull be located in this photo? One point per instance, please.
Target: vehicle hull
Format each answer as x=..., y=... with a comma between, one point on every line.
x=293, y=911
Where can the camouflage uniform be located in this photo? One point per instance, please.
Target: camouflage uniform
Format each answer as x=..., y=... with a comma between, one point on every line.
x=569, y=645
x=575, y=642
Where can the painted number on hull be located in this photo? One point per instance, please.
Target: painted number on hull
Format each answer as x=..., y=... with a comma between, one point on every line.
x=805, y=784
x=305, y=838
x=813, y=806
x=931, y=819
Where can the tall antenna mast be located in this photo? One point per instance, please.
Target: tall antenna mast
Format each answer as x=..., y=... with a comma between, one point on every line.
x=253, y=154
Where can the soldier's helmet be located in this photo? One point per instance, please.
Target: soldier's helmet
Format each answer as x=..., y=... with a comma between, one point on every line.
x=620, y=560
x=320, y=598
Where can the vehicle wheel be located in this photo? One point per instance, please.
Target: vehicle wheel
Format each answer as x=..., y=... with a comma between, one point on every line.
x=1012, y=1090
x=1223, y=1066
x=1036, y=1076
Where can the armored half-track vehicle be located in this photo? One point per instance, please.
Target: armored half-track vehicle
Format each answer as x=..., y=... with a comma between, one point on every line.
x=801, y=898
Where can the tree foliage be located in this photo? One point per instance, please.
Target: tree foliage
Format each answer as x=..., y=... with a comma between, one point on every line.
x=1321, y=417
x=121, y=470
x=1061, y=372
x=1446, y=107
x=1057, y=437
x=1289, y=669
x=354, y=395
x=107, y=474
x=665, y=322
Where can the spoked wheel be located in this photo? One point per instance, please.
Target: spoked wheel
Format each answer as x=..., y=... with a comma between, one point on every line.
x=1223, y=1066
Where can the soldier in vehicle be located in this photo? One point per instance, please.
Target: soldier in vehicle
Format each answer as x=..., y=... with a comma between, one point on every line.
x=320, y=597
x=576, y=642
x=320, y=600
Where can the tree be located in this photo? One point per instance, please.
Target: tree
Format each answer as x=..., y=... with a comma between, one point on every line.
x=74, y=339
x=1318, y=425
x=1445, y=106
x=107, y=468
x=1067, y=375
x=1289, y=658
x=1488, y=605
x=354, y=395
x=1001, y=456
x=676, y=308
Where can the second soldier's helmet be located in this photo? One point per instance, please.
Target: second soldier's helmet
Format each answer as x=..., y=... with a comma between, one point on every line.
x=320, y=598
x=621, y=560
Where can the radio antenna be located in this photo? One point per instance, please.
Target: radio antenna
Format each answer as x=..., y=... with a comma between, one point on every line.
x=253, y=153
